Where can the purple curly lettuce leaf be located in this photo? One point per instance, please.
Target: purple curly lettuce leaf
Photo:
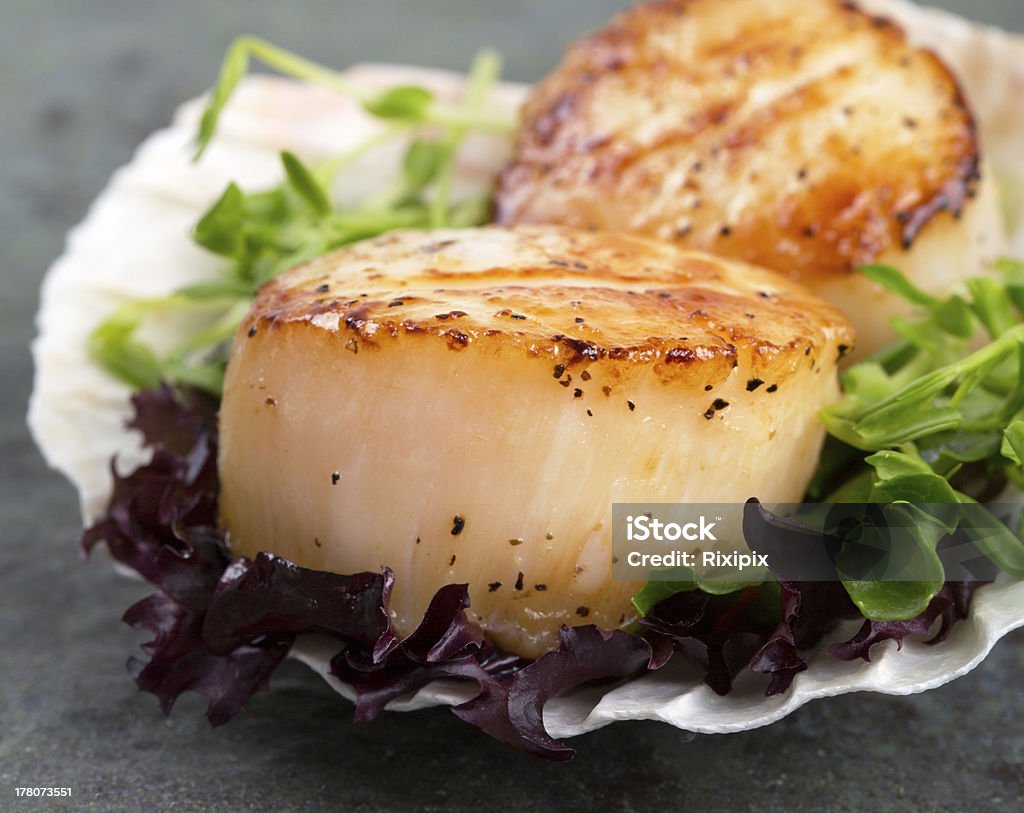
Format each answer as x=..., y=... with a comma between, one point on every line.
x=270, y=595
x=779, y=656
x=669, y=629
x=173, y=419
x=444, y=632
x=719, y=635
x=161, y=519
x=950, y=605
x=780, y=659
x=513, y=712
x=180, y=662
x=808, y=610
x=960, y=594
x=444, y=645
x=161, y=522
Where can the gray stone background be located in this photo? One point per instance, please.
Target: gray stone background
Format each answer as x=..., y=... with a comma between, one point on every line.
x=81, y=83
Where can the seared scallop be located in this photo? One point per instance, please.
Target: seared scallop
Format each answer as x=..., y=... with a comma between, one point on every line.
x=466, y=406
x=805, y=136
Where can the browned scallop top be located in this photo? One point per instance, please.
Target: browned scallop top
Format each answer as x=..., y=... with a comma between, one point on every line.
x=557, y=293
x=801, y=135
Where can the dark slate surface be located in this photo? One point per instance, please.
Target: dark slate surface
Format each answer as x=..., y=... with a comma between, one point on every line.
x=81, y=82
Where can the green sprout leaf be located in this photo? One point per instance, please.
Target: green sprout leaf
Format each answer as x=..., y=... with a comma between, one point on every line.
x=894, y=281
x=993, y=538
x=234, y=67
x=423, y=161
x=954, y=315
x=263, y=233
x=889, y=465
x=991, y=305
x=236, y=63
x=655, y=592
x=305, y=184
x=1012, y=446
x=892, y=570
x=408, y=103
x=220, y=229
x=919, y=423
x=1012, y=271
x=114, y=347
x=684, y=579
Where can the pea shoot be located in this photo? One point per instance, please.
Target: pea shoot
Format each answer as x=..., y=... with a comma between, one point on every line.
x=262, y=233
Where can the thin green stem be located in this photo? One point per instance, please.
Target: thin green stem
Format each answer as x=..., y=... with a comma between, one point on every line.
x=488, y=122
x=482, y=76
x=328, y=170
x=299, y=67
x=220, y=331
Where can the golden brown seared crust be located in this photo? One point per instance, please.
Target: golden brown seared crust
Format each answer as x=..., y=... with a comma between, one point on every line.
x=801, y=135
x=575, y=297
